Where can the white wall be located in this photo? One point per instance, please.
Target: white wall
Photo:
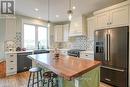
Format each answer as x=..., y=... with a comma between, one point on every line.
x=2, y=37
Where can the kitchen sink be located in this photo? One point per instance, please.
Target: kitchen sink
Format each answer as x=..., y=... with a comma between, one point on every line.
x=40, y=51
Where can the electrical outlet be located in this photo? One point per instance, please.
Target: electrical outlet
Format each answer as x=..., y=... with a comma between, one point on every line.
x=76, y=83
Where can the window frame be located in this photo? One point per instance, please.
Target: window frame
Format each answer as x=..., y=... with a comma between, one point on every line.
x=36, y=35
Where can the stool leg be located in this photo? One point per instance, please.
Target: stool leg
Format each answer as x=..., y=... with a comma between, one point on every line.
x=52, y=82
x=33, y=79
x=57, y=85
x=41, y=77
x=48, y=83
x=37, y=80
x=29, y=79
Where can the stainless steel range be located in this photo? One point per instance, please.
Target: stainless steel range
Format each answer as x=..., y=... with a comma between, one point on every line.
x=74, y=52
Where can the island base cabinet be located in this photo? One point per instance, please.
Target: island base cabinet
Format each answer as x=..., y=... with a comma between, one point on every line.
x=90, y=79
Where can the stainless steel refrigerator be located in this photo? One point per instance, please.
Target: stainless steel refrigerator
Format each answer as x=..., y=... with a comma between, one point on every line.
x=111, y=47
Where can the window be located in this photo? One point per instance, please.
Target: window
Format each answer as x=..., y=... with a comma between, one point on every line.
x=42, y=37
x=35, y=37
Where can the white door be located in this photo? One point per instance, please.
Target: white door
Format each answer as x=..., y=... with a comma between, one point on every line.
x=91, y=23
x=119, y=17
x=58, y=31
x=102, y=20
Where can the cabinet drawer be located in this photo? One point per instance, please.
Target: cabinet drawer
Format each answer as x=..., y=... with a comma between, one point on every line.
x=11, y=56
x=87, y=56
x=113, y=77
x=11, y=62
x=11, y=69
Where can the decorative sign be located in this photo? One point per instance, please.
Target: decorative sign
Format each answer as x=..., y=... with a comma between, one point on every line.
x=7, y=7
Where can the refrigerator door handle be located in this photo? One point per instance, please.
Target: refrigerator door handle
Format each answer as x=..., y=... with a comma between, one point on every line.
x=106, y=47
x=120, y=70
x=108, y=51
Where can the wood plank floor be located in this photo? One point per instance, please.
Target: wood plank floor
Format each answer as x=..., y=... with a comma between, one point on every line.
x=20, y=80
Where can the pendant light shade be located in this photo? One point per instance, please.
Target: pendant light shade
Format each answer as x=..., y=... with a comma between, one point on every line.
x=70, y=12
x=48, y=24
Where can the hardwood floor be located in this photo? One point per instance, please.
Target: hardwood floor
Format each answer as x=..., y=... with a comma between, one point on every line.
x=20, y=80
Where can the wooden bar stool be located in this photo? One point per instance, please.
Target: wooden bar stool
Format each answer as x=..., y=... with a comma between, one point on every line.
x=50, y=78
x=38, y=72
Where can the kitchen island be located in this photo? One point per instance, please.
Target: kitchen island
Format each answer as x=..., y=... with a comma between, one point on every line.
x=72, y=71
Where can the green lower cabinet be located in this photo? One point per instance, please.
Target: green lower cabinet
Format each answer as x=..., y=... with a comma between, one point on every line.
x=90, y=79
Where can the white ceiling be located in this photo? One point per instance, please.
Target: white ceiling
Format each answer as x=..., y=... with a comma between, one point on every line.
x=60, y=7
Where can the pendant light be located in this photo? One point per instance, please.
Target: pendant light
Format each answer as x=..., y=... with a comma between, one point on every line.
x=70, y=12
x=48, y=13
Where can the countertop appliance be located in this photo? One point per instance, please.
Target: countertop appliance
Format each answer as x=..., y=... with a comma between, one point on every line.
x=111, y=47
x=74, y=52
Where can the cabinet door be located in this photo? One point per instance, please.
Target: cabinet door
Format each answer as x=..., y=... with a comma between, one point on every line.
x=65, y=32
x=58, y=29
x=119, y=17
x=91, y=23
x=102, y=20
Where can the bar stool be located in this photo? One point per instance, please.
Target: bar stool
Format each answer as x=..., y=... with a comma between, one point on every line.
x=33, y=71
x=50, y=78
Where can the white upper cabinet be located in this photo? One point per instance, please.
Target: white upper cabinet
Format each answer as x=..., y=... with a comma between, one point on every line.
x=58, y=33
x=114, y=16
x=102, y=20
x=61, y=33
x=120, y=16
x=77, y=26
x=65, y=32
x=91, y=23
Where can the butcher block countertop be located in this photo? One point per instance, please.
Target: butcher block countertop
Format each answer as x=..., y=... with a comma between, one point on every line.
x=67, y=67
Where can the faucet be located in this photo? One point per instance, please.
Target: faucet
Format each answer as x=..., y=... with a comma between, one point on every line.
x=38, y=46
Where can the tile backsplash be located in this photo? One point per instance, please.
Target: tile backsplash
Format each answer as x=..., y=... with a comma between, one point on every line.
x=83, y=43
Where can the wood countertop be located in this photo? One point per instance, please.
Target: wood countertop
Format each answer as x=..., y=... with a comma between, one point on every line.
x=67, y=67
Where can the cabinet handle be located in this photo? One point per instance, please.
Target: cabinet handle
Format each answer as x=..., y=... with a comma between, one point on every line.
x=11, y=68
x=108, y=79
x=11, y=61
x=86, y=55
x=11, y=55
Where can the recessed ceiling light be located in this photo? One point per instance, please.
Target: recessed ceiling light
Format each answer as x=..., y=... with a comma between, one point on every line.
x=74, y=7
x=57, y=16
x=36, y=9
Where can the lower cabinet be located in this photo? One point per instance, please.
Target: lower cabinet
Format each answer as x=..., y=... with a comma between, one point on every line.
x=90, y=79
x=113, y=77
x=11, y=64
x=23, y=62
